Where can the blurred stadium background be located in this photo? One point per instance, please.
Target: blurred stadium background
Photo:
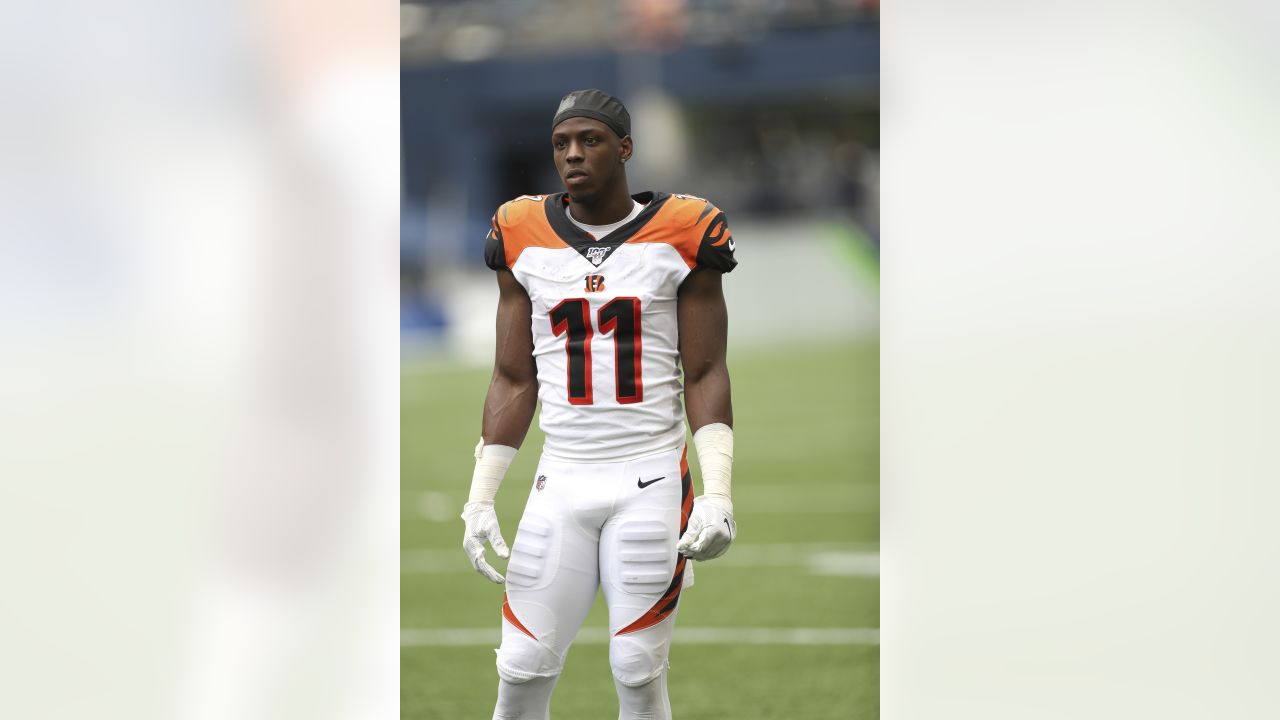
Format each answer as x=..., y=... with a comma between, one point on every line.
x=770, y=109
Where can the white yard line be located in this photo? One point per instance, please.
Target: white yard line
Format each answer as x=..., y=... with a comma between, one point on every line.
x=806, y=499
x=835, y=559
x=492, y=636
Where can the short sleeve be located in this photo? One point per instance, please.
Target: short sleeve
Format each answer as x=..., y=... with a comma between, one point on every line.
x=715, y=250
x=495, y=253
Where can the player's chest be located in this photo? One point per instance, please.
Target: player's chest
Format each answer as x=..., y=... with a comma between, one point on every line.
x=641, y=271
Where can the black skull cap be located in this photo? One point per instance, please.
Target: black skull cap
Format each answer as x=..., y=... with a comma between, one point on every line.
x=596, y=105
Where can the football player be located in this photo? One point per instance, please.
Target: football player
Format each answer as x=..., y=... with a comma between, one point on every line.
x=604, y=299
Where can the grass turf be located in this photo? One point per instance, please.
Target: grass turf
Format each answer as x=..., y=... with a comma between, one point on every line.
x=806, y=470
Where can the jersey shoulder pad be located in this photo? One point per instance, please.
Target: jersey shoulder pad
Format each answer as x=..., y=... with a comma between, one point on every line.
x=518, y=224
x=701, y=233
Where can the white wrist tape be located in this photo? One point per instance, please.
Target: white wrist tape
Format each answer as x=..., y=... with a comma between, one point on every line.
x=714, y=443
x=492, y=462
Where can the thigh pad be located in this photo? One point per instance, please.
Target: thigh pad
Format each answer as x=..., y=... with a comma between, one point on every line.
x=533, y=556
x=646, y=556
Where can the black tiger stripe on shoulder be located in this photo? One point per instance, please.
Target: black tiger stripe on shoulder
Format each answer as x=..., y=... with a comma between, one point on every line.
x=495, y=254
x=715, y=248
x=706, y=210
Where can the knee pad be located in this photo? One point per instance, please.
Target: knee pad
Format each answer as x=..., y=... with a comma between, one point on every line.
x=635, y=662
x=522, y=658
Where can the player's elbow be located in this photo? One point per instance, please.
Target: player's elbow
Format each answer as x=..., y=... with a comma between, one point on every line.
x=700, y=372
x=516, y=382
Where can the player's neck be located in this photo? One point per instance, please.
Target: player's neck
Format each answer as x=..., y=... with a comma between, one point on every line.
x=604, y=210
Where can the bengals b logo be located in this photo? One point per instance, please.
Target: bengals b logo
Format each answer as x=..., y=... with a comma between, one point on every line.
x=595, y=283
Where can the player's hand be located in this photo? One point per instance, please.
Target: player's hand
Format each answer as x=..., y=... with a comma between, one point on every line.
x=711, y=528
x=482, y=526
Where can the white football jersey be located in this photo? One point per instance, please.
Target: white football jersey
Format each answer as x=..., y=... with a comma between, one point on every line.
x=605, y=335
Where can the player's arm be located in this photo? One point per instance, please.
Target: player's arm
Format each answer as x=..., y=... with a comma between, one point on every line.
x=704, y=332
x=704, y=329
x=513, y=390
x=508, y=410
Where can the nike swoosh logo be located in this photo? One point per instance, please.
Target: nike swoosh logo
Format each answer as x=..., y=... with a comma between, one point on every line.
x=731, y=245
x=642, y=485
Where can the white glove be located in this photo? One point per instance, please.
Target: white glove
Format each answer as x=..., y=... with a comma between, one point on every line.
x=482, y=526
x=711, y=528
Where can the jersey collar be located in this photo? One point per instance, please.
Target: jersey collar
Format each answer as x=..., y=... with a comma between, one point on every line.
x=579, y=240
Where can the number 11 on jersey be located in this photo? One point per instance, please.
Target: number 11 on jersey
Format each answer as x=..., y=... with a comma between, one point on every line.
x=620, y=316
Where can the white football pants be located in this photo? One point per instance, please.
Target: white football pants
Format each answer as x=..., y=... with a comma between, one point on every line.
x=586, y=526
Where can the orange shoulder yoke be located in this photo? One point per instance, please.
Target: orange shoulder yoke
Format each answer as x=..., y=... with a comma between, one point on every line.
x=680, y=223
x=523, y=224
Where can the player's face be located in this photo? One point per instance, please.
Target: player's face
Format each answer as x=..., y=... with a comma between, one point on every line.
x=588, y=156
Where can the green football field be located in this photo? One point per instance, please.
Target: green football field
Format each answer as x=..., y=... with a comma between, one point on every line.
x=784, y=626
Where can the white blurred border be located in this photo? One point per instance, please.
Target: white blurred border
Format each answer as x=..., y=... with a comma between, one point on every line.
x=1080, y=352
x=199, y=361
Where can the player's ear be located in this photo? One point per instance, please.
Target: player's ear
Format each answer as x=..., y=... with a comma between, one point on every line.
x=626, y=148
